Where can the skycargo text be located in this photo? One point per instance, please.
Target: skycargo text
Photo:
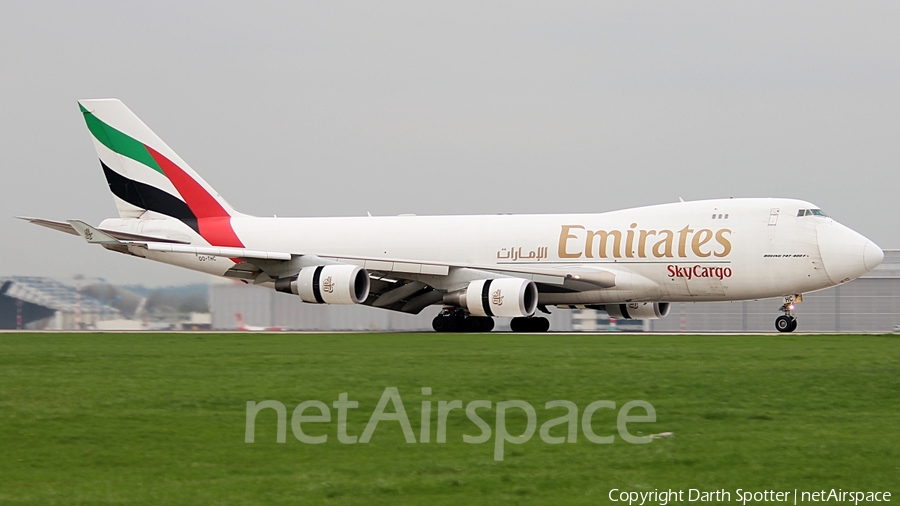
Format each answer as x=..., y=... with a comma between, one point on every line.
x=699, y=271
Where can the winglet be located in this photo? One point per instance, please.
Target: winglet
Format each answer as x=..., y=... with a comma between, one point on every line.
x=91, y=234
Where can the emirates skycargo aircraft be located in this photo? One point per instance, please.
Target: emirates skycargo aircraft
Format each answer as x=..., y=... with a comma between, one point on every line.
x=631, y=263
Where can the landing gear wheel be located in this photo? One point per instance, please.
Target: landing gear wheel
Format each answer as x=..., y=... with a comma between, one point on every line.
x=446, y=323
x=530, y=324
x=478, y=324
x=785, y=323
x=455, y=320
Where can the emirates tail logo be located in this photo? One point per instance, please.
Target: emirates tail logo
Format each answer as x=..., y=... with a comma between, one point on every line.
x=328, y=285
x=497, y=297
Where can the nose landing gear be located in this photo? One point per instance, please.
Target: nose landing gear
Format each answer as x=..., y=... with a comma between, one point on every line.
x=788, y=322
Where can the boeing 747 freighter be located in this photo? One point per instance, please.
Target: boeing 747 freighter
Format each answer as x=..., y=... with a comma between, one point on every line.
x=631, y=263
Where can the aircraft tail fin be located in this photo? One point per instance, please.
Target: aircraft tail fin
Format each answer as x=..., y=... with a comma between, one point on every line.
x=146, y=175
x=239, y=321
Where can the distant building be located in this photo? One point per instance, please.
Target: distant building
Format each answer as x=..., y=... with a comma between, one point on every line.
x=28, y=302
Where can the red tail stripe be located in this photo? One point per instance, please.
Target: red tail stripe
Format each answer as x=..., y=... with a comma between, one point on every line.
x=213, y=220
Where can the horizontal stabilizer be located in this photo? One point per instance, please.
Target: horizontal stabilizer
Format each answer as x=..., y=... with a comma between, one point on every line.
x=64, y=226
x=59, y=226
x=95, y=235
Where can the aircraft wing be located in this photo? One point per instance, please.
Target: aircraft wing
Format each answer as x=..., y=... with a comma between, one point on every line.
x=555, y=275
x=401, y=285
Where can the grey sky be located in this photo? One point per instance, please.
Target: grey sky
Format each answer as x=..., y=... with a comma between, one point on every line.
x=327, y=108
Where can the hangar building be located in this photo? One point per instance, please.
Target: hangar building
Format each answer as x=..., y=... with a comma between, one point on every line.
x=35, y=302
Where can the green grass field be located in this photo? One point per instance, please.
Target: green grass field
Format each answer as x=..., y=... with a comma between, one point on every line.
x=160, y=418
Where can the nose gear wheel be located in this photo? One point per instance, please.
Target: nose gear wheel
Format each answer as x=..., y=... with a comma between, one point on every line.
x=787, y=322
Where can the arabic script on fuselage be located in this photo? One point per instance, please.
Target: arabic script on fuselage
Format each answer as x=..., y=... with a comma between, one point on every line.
x=517, y=254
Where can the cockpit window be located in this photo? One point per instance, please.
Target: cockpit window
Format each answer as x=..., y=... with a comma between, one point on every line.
x=811, y=212
x=817, y=212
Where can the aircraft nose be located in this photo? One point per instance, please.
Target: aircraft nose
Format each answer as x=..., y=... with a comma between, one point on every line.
x=845, y=253
x=872, y=255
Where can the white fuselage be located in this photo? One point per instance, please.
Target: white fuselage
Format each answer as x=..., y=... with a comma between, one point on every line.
x=728, y=249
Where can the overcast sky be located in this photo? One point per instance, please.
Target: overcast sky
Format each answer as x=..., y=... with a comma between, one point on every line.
x=329, y=108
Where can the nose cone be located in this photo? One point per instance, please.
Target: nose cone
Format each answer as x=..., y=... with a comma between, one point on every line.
x=872, y=255
x=846, y=254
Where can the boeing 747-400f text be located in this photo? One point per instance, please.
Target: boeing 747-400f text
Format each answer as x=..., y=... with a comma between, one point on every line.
x=631, y=263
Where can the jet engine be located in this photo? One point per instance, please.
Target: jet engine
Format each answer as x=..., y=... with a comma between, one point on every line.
x=638, y=310
x=328, y=284
x=497, y=297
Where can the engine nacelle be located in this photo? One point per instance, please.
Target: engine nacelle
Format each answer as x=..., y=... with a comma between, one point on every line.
x=638, y=310
x=328, y=284
x=500, y=297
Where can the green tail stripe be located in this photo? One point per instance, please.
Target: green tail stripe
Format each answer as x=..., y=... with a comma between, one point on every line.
x=119, y=142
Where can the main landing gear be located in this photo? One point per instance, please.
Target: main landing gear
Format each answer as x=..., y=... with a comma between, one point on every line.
x=457, y=320
x=530, y=324
x=453, y=319
x=788, y=322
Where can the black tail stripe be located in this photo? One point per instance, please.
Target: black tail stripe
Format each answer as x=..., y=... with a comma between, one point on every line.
x=148, y=197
